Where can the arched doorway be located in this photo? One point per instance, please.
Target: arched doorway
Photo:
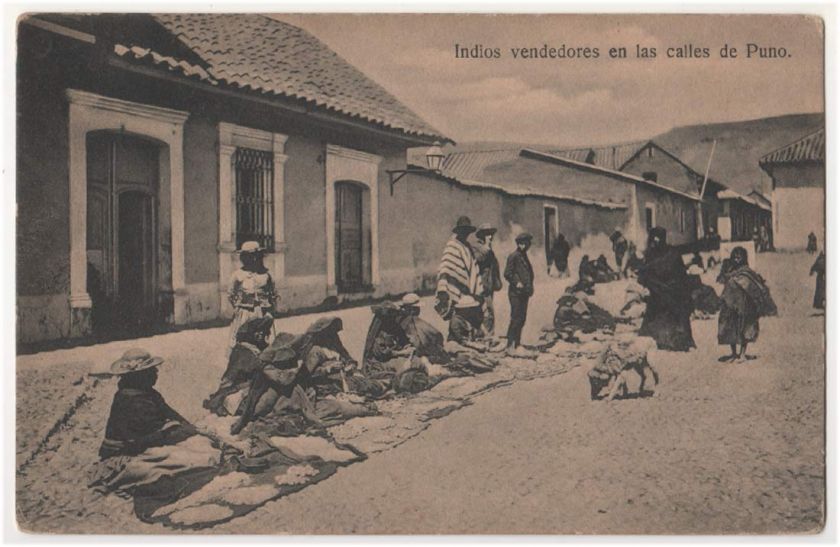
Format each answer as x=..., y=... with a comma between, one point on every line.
x=126, y=254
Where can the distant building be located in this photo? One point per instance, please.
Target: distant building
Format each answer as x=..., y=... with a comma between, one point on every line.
x=649, y=161
x=798, y=173
x=639, y=203
x=742, y=216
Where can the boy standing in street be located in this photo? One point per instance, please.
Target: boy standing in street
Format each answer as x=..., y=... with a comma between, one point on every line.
x=520, y=276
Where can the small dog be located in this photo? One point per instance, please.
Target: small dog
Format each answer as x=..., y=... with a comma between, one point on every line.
x=619, y=358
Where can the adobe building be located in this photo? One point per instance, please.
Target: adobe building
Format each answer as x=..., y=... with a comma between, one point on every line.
x=798, y=198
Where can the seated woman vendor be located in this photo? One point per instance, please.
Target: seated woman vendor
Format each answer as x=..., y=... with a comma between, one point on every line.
x=140, y=418
x=145, y=438
x=244, y=361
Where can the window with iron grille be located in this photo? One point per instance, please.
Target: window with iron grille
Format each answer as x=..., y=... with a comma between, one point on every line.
x=254, y=173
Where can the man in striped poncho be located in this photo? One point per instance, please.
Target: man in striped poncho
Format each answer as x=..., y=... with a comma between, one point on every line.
x=458, y=273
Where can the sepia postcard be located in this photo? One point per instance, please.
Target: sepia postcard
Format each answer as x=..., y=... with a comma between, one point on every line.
x=420, y=274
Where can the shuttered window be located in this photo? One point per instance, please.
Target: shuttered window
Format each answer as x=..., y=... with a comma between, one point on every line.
x=254, y=173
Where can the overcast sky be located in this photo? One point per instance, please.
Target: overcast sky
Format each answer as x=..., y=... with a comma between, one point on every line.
x=579, y=102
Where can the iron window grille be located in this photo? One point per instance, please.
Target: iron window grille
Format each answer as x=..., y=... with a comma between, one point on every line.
x=254, y=173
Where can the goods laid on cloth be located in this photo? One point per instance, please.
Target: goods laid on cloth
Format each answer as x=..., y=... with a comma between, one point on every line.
x=596, y=271
x=667, y=316
x=634, y=301
x=577, y=313
x=607, y=378
x=286, y=465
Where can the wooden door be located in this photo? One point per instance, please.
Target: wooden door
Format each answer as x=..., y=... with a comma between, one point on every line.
x=123, y=177
x=349, y=236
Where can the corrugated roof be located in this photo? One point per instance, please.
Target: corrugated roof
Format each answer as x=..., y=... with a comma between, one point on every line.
x=500, y=170
x=808, y=148
x=613, y=156
x=256, y=53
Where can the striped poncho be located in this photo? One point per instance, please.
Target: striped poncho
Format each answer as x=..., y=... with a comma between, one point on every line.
x=458, y=272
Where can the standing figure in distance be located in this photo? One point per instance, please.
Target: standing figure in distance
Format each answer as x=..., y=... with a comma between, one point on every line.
x=251, y=291
x=812, y=243
x=619, y=246
x=560, y=256
x=520, y=276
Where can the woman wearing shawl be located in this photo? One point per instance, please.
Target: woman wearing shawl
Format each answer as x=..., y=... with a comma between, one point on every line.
x=150, y=451
x=244, y=361
x=667, y=316
x=819, y=293
x=745, y=298
x=426, y=339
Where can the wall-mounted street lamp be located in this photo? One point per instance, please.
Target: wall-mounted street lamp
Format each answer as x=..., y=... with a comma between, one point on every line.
x=434, y=159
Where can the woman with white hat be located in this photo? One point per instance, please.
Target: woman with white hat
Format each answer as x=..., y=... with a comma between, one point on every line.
x=251, y=291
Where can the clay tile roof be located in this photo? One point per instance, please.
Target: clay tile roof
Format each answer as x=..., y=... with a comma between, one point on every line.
x=808, y=148
x=261, y=54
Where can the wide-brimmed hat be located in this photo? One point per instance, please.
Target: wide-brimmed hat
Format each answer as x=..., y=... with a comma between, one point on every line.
x=485, y=228
x=250, y=247
x=467, y=301
x=411, y=299
x=325, y=324
x=464, y=224
x=134, y=360
x=523, y=237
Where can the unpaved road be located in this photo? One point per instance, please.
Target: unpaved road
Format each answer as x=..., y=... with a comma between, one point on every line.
x=723, y=448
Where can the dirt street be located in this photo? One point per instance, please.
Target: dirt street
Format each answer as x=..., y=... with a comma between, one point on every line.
x=722, y=448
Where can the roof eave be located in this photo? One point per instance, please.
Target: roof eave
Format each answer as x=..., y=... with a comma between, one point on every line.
x=603, y=170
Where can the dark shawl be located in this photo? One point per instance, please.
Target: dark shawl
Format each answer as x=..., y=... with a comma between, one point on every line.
x=819, y=293
x=136, y=422
x=667, y=317
x=427, y=340
x=560, y=253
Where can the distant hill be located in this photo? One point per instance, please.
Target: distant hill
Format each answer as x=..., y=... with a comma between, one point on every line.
x=739, y=146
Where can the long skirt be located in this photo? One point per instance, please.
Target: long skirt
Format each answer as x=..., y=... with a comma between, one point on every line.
x=736, y=327
x=126, y=473
x=670, y=328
